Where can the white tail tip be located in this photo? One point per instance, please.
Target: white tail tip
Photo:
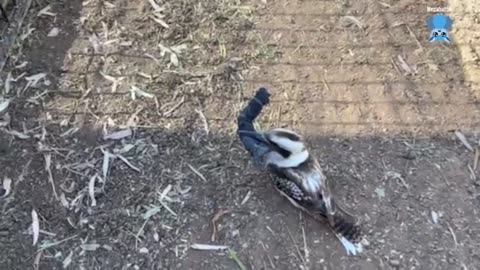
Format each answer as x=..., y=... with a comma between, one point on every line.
x=351, y=248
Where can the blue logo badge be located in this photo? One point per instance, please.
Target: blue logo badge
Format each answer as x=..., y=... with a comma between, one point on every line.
x=439, y=25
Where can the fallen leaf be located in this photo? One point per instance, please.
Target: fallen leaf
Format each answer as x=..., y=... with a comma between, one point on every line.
x=155, y=6
x=380, y=192
x=115, y=81
x=34, y=79
x=208, y=247
x=134, y=91
x=105, y=164
x=462, y=138
x=118, y=135
x=18, y=134
x=64, y=201
x=404, y=65
x=97, y=46
x=7, y=186
x=91, y=190
x=68, y=260
x=54, y=32
x=4, y=105
x=109, y=5
x=90, y=247
x=150, y=212
x=179, y=48
x=355, y=21
x=434, y=217
x=46, y=11
x=35, y=226
x=246, y=197
x=38, y=257
x=128, y=163
x=160, y=21
x=8, y=81
x=174, y=59
x=163, y=50
x=165, y=192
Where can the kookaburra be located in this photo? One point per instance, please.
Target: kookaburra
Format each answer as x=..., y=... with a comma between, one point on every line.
x=296, y=173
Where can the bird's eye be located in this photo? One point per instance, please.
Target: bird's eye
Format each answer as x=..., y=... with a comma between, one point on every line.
x=444, y=34
x=435, y=34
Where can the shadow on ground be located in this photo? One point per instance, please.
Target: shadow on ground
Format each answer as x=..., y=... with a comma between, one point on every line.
x=393, y=185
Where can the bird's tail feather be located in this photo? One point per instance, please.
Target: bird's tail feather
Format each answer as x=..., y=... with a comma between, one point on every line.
x=344, y=225
x=245, y=123
x=252, y=110
x=348, y=231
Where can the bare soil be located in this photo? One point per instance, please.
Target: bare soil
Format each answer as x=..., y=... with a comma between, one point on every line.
x=375, y=100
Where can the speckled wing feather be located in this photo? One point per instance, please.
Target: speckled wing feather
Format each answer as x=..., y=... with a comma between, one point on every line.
x=298, y=198
x=289, y=182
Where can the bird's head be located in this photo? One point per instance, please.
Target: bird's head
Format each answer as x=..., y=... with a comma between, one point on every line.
x=287, y=148
x=285, y=140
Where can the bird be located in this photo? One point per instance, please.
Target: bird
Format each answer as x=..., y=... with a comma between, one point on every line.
x=439, y=26
x=296, y=174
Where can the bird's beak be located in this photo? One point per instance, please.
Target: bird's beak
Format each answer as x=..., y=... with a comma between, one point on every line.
x=254, y=135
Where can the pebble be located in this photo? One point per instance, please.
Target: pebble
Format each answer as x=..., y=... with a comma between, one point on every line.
x=394, y=262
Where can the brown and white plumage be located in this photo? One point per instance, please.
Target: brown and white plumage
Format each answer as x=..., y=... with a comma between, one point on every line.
x=298, y=176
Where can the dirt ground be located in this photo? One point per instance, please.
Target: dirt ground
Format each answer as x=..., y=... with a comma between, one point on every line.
x=376, y=101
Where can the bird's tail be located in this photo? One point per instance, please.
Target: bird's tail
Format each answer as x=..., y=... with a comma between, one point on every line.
x=252, y=110
x=345, y=226
x=245, y=120
x=348, y=230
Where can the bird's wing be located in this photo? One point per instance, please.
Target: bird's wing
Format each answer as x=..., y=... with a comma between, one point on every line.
x=332, y=206
x=298, y=198
x=345, y=225
x=314, y=203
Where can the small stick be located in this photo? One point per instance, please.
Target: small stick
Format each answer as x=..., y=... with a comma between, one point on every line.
x=268, y=255
x=137, y=236
x=305, y=247
x=197, y=173
x=415, y=37
x=453, y=235
x=233, y=256
x=296, y=246
x=214, y=221
x=326, y=85
x=472, y=173
x=204, y=120
x=475, y=161
x=48, y=161
x=174, y=107
x=396, y=67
